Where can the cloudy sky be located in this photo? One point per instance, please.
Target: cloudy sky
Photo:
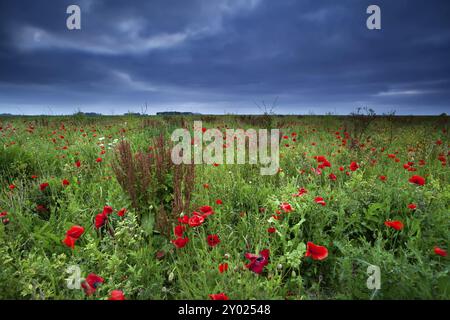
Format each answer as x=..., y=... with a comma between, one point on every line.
x=224, y=56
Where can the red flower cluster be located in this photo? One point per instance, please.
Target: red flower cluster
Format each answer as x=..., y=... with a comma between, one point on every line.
x=180, y=242
x=196, y=220
x=323, y=162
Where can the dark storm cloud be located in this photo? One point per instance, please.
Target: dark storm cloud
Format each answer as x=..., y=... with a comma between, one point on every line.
x=224, y=55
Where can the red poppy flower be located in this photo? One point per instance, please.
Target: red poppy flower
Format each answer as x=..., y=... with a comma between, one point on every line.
x=121, y=212
x=412, y=206
x=213, y=240
x=72, y=236
x=180, y=242
x=383, y=178
x=179, y=230
x=116, y=295
x=196, y=221
x=65, y=182
x=321, y=158
x=354, y=166
x=3, y=214
x=218, y=296
x=41, y=208
x=77, y=163
x=301, y=192
x=34, y=177
x=107, y=209
x=341, y=168
x=223, y=267
x=326, y=163
x=69, y=241
x=160, y=254
x=397, y=225
x=440, y=252
x=417, y=180
x=98, y=160
x=271, y=230
x=257, y=263
x=75, y=232
x=316, y=252
x=207, y=210
x=286, y=207
x=43, y=186
x=100, y=220
x=91, y=283
x=184, y=219
x=320, y=200
x=332, y=176
x=218, y=201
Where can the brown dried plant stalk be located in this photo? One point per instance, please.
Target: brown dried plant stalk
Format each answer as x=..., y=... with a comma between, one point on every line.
x=152, y=180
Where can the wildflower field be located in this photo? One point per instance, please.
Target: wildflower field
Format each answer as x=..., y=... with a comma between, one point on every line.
x=94, y=208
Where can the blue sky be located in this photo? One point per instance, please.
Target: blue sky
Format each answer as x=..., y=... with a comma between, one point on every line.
x=224, y=56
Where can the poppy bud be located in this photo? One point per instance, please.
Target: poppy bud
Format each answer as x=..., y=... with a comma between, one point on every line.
x=171, y=276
